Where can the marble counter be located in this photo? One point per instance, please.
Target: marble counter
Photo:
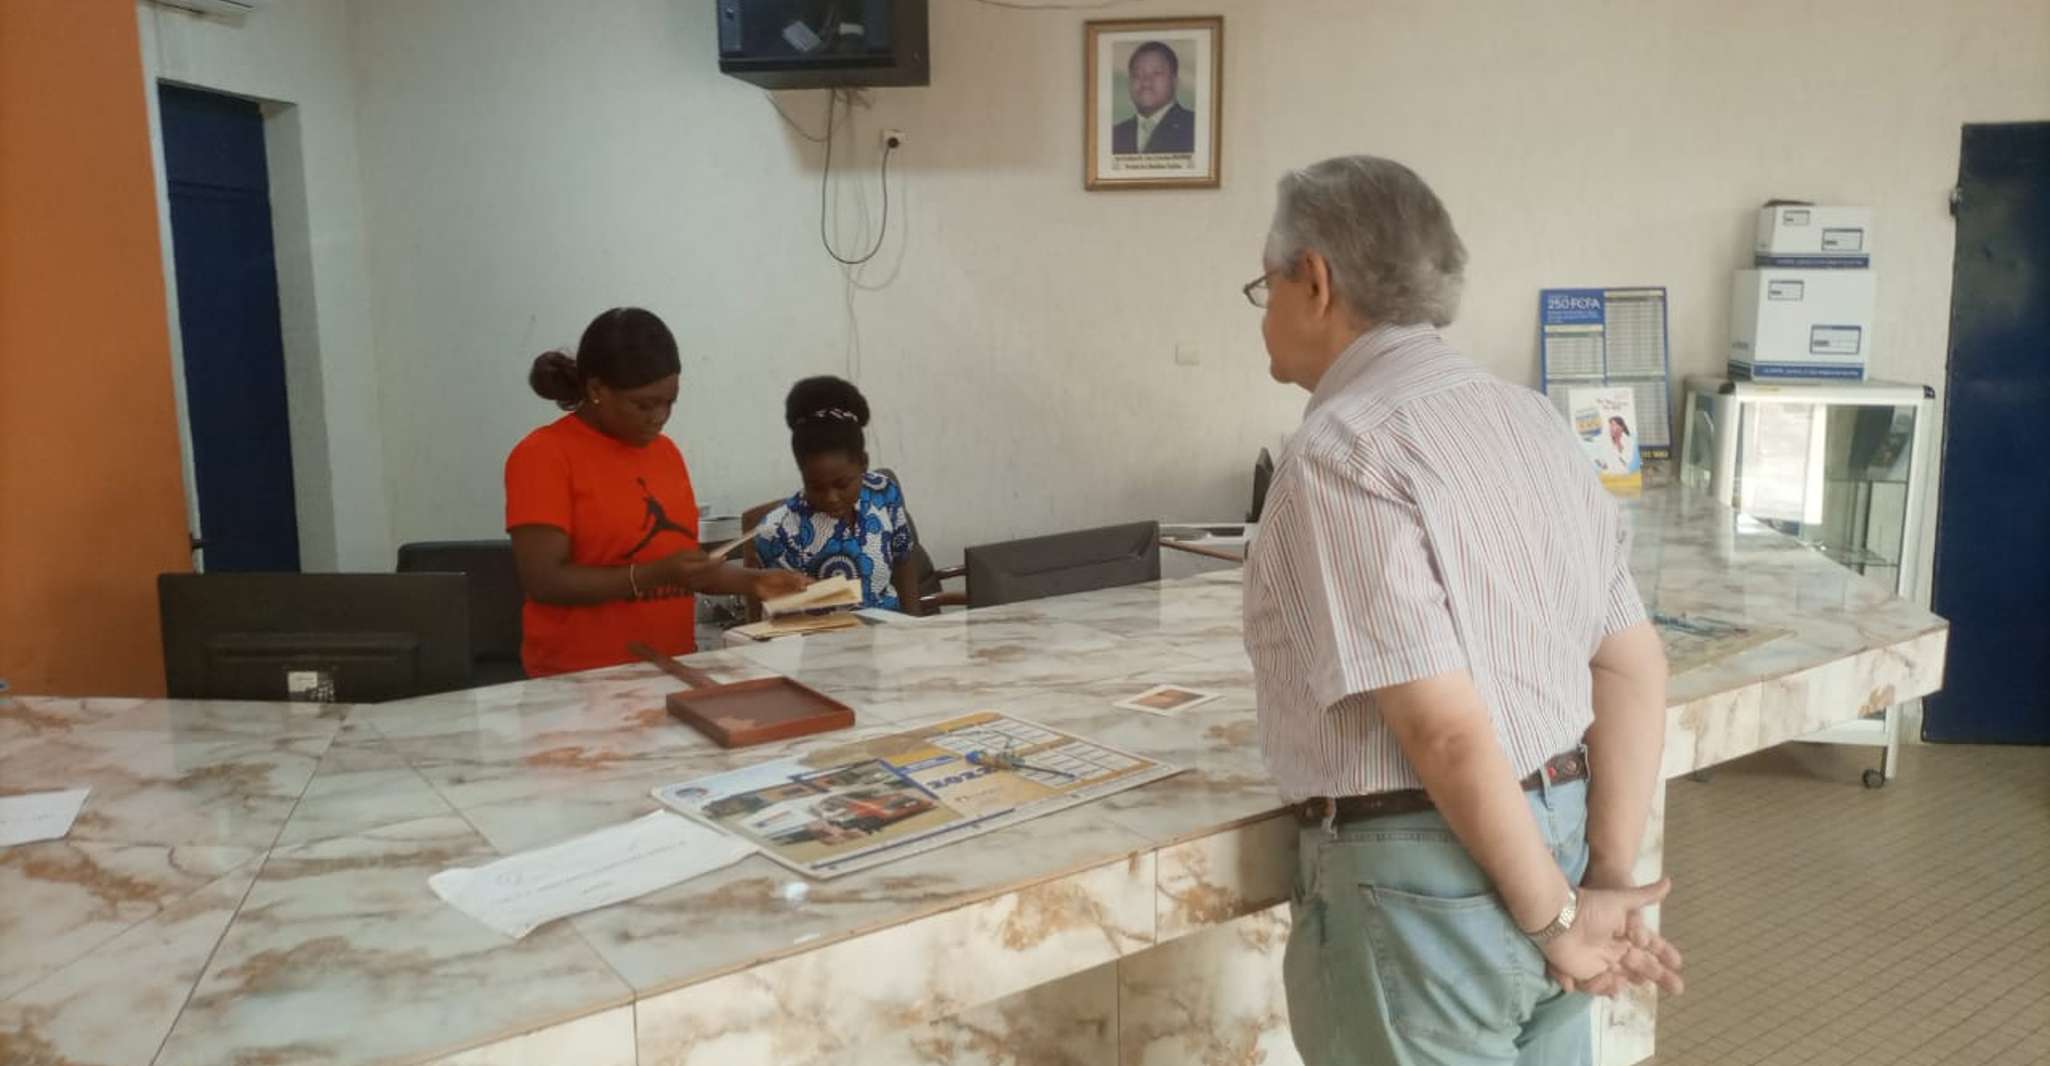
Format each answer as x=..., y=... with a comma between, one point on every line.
x=248, y=882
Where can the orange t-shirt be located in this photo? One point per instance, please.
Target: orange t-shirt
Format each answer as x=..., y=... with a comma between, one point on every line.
x=619, y=504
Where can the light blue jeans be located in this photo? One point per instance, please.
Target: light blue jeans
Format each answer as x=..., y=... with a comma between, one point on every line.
x=1402, y=954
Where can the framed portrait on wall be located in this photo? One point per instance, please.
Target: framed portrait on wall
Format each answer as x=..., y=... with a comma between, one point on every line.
x=1153, y=94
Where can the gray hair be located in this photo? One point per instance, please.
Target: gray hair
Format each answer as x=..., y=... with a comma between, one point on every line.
x=1395, y=259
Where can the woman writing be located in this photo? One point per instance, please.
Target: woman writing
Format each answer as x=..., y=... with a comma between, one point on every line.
x=600, y=508
x=847, y=520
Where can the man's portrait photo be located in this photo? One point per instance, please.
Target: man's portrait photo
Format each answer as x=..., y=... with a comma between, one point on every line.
x=1153, y=99
x=1159, y=122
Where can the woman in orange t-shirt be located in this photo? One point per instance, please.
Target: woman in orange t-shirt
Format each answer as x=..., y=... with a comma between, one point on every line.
x=600, y=508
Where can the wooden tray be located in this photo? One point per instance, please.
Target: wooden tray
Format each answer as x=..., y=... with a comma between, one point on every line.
x=759, y=711
x=746, y=713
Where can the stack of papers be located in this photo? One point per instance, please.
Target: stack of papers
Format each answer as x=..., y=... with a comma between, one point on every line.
x=797, y=624
x=523, y=892
x=831, y=594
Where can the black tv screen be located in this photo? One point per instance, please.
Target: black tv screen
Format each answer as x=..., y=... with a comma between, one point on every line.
x=824, y=44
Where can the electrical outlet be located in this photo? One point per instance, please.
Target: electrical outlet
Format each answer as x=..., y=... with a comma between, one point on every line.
x=893, y=139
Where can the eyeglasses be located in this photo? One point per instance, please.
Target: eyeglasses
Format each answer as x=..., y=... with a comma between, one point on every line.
x=1256, y=289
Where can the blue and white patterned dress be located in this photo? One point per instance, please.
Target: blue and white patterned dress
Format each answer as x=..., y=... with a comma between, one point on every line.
x=867, y=547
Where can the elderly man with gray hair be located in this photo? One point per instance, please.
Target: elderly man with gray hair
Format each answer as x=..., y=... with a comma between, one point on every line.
x=1459, y=691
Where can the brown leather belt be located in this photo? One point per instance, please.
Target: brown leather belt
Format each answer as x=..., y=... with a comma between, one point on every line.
x=1559, y=769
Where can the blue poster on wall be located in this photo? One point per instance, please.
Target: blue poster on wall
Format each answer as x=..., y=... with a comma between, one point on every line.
x=1610, y=338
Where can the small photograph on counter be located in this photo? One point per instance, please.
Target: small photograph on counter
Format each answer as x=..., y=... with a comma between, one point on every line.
x=1167, y=700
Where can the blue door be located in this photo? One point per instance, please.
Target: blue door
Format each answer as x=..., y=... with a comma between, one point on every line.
x=228, y=320
x=1992, y=577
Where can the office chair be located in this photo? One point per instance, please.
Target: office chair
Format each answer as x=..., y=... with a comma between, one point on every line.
x=496, y=600
x=1263, y=477
x=1063, y=564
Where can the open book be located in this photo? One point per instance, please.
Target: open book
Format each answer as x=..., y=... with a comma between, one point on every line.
x=797, y=624
x=834, y=593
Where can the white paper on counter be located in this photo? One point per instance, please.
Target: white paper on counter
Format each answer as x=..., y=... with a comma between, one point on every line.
x=521, y=893
x=39, y=815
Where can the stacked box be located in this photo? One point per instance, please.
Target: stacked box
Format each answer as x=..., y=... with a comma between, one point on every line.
x=1804, y=309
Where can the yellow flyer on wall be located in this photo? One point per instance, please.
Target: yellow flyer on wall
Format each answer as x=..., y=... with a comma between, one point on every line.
x=872, y=801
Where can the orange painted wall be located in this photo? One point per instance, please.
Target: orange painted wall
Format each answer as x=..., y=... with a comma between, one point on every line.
x=92, y=503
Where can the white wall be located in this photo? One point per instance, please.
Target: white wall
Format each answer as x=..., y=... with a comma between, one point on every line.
x=294, y=56
x=527, y=164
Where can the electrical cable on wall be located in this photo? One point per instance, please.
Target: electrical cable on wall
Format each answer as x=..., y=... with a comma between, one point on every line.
x=825, y=182
x=792, y=123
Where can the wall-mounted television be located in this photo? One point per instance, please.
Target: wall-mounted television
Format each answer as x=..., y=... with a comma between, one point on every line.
x=824, y=44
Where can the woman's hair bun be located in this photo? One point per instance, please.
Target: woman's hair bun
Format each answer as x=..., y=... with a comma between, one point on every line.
x=825, y=399
x=555, y=378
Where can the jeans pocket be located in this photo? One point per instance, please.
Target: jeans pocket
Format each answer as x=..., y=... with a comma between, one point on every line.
x=1448, y=968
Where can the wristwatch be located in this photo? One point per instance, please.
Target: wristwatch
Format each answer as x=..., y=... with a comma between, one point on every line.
x=1560, y=924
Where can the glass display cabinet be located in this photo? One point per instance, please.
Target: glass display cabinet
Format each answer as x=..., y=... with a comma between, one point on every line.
x=1838, y=466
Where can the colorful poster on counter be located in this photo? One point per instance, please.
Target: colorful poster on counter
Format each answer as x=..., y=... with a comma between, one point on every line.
x=832, y=812
x=1606, y=420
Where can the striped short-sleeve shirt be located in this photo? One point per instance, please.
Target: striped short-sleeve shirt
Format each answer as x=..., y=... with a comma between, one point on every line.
x=1427, y=518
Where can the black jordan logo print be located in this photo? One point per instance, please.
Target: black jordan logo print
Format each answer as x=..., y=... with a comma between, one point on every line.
x=656, y=520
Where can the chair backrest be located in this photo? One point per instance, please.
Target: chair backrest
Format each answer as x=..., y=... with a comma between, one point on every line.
x=1263, y=476
x=751, y=521
x=496, y=598
x=928, y=577
x=1063, y=564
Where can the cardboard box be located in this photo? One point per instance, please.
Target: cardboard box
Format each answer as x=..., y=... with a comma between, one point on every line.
x=1813, y=236
x=1801, y=323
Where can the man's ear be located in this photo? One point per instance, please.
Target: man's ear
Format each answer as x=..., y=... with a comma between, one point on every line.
x=1317, y=272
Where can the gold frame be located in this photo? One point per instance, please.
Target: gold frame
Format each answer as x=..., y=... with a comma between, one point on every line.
x=1091, y=31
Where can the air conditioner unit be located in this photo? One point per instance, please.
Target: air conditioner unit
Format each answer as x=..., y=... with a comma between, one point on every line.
x=230, y=8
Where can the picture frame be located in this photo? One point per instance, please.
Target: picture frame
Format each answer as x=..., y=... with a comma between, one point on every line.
x=1152, y=102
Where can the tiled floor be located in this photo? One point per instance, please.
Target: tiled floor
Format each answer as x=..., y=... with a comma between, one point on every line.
x=1826, y=924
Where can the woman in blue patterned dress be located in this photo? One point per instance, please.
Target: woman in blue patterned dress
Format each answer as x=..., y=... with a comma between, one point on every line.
x=847, y=521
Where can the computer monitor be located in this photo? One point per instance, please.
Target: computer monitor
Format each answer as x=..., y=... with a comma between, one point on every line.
x=1063, y=564
x=340, y=638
